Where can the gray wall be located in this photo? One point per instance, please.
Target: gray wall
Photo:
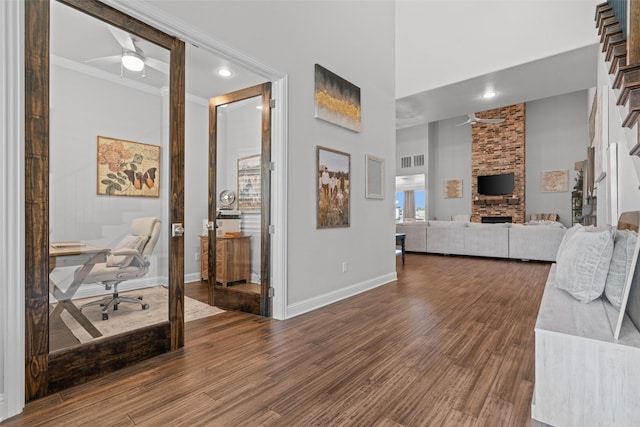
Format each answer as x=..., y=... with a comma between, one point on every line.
x=557, y=137
x=449, y=158
x=362, y=30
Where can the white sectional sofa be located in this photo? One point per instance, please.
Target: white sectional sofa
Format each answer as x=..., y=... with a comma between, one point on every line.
x=535, y=242
x=416, y=235
x=538, y=242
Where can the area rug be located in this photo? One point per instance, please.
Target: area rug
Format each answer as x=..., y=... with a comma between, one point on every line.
x=130, y=316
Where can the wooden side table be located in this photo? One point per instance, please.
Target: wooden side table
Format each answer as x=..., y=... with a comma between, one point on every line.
x=233, y=259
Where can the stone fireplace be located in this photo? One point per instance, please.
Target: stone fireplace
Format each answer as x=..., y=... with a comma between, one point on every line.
x=497, y=149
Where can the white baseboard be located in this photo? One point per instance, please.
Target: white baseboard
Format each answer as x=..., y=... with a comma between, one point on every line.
x=192, y=277
x=3, y=409
x=335, y=296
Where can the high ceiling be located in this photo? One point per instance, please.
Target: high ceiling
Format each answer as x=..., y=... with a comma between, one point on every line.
x=559, y=74
x=78, y=38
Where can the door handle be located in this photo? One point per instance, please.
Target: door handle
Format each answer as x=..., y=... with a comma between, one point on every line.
x=177, y=229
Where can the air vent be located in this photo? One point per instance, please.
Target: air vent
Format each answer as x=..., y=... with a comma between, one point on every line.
x=418, y=160
x=405, y=162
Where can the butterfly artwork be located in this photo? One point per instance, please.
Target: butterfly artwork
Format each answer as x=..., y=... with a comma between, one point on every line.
x=139, y=179
x=127, y=168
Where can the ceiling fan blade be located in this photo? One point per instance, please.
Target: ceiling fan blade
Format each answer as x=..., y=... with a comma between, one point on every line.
x=163, y=67
x=114, y=59
x=471, y=120
x=123, y=38
x=490, y=120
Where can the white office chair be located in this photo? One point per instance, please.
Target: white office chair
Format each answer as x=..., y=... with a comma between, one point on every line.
x=128, y=260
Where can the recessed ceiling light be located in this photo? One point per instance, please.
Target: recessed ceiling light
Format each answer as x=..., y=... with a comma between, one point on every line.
x=224, y=72
x=489, y=94
x=259, y=107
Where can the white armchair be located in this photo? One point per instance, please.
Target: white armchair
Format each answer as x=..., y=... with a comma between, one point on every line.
x=128, y=260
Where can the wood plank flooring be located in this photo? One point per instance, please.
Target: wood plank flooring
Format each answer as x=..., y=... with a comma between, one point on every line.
x=449, y=343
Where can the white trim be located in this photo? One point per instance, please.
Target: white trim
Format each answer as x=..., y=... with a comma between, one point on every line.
x=12, y=283
x=335, y=296
x=279, y=199
x=160, y=20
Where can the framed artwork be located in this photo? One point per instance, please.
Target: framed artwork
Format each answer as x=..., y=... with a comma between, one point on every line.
x=333, y=175
x=453, y=189
x=249, y=184
x=127, y=168
x=337, y=101
x=374, y=188
x=555, y=181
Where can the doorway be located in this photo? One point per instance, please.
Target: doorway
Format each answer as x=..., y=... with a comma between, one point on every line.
x=95, y=222
x=239, y=261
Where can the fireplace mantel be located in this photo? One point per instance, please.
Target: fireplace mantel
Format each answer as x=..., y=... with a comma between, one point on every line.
x=496, y=200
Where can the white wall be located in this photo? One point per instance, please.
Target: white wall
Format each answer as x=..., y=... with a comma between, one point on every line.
x=556, y=137
x=469, y=38
x=355, y=40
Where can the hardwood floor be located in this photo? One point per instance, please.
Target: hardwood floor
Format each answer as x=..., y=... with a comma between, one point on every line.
x=449, y=343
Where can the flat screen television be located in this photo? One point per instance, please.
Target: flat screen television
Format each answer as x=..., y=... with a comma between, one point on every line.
x=496, y=185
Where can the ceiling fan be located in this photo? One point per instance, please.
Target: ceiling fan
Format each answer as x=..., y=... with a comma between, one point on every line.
x=132, y=57
x=473, y=119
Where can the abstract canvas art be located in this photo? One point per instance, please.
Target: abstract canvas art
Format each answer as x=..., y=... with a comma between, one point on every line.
x=337, y=101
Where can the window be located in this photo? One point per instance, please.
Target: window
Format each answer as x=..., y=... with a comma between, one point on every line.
x=419, y=203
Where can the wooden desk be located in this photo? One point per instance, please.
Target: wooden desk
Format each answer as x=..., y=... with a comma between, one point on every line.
x=233, y=259
x=70, y=254
x=400, y=239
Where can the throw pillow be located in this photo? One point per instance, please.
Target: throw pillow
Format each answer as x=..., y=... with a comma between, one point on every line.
x=128, y=242
x=623, y=247
x=583, y=264
x=567, y=236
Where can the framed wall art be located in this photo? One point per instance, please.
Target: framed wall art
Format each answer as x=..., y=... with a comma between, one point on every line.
x=333, y=186
x=555, y=181
x=249, y=184
x=127, y=168
x=337, y=100
x=374, y=188
x=453, y=189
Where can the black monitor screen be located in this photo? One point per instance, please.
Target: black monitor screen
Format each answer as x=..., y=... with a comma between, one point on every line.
x=496, y=185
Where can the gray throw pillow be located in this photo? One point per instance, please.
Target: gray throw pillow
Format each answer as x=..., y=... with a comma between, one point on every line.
x=570, y=232
x=623, y=247
x=583, y=264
